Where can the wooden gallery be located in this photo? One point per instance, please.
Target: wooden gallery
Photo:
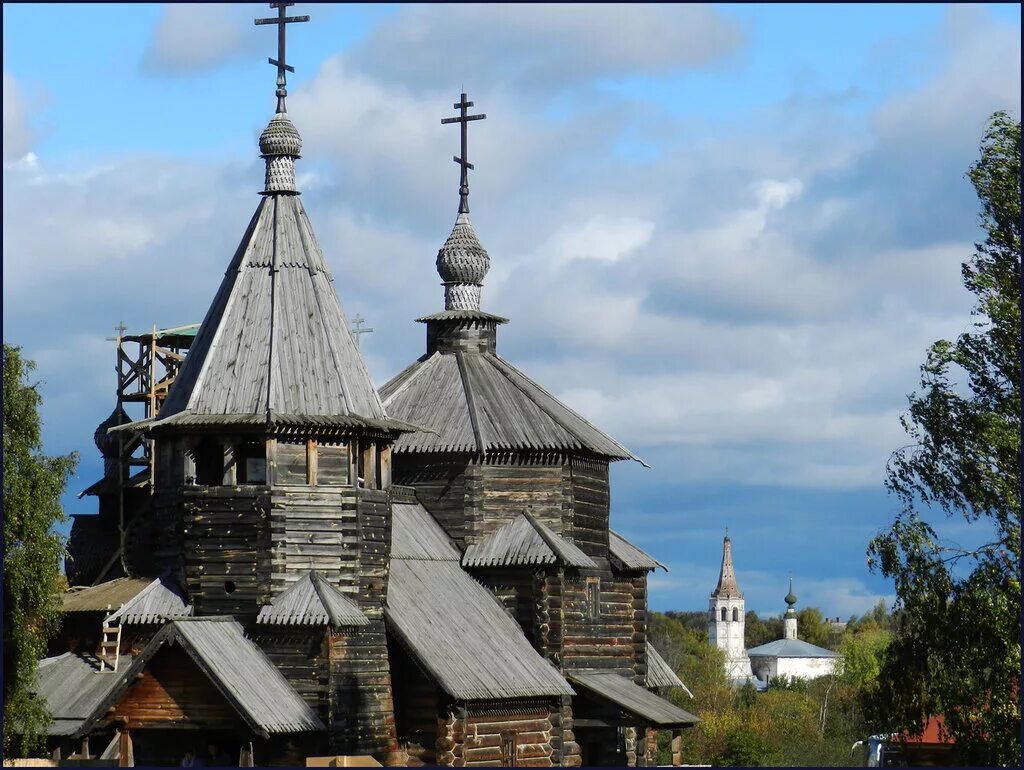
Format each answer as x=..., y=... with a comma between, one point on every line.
x=288, y=563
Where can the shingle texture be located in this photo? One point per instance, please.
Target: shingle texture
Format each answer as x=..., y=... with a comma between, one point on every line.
x=78, y=695
x=477, y=402
x=244, y=675
x=312, y=601
x=163, y=598
x=633, y=698
x=625, y=555
x=74, y=690
x=275, y=341
x=660, y=674
x=524, y=541
x=478, y=652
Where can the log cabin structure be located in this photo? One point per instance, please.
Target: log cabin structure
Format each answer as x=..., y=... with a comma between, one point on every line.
x=424, y=575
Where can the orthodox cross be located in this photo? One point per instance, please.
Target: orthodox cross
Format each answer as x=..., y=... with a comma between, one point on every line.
x=120, y=329
x=463, y=105
x=357, y=328
x=281, y=20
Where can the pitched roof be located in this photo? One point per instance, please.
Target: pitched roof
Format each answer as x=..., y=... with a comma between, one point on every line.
x=74, y=690
x=791, y=648
x=275, y=341
x=660, y=673
x=80, y=696
x=477, y=402
x=105, y=596
x=244, y=675
x=524, y=541
x=633, y=698
x=312, y=601
x=416, y=535
x=163, y=598
x=727, y=587
x=628, y=556
x=427, y=583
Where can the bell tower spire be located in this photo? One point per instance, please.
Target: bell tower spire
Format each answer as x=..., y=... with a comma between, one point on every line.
x=727, y=617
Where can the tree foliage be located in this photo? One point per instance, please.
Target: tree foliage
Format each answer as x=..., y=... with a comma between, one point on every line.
x=956, y=647
x=795, y=723
x=33, y=484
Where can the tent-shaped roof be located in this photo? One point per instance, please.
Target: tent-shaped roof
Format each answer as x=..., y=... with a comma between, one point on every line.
x=727, y=587
x=625, y=555
x=429, y=584
x=274, y=347
x=162, y=599
x=477, y=402
x=633, y=698
x=524, y=541
x=791, y=648
x=312, y=601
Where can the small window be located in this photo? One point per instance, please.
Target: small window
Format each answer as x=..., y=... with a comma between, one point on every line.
x=725, y=614
x=736, y=614
x=508, y=748
x=252, y=463
x=594, y=598
x=209, y=462
x=229, y=586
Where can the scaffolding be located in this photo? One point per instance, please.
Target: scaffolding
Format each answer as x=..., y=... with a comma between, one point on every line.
x=147, y=365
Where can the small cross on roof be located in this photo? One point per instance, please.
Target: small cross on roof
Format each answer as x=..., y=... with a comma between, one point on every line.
x=281, y=20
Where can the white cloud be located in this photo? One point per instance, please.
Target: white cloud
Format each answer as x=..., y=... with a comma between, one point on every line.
x=544, y=47
x=19, y=136
x=185, y=41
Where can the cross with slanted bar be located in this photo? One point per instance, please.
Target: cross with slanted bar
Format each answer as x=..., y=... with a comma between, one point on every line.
x=463, y=105
x=281, y=20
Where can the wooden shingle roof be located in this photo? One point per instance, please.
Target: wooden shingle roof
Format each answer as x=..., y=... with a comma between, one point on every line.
x=427, y=583
x=625, y=555
x=478, y=402
x=524, y=541
x=312, y=601
x=275, y=342
x=163, y=598
x=624, y=693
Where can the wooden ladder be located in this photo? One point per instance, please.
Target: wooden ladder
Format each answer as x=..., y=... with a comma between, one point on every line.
x=110, y=647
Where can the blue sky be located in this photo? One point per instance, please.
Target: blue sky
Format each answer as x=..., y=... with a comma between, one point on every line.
x=724, y=233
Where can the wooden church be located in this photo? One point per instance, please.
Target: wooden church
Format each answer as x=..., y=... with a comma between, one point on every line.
x=307, y=567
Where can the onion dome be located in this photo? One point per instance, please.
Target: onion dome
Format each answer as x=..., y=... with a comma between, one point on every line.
x=280, y=145
x=790, y=597
x=280, y=137
x=108, y=443
x=462, y=259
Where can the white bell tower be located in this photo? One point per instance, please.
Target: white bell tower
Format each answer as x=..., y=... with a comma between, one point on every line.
x=726, y=618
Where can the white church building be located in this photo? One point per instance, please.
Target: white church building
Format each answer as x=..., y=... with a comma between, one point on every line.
x=788, y=657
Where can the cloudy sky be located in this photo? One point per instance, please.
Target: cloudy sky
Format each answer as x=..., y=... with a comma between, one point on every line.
x=726, y=234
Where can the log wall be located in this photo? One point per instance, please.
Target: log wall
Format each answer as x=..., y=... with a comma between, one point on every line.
x=300, y=653
x=226, y=548
x=173, y=692
x=472, y=734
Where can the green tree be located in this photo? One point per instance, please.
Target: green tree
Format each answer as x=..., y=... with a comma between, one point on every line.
x=33, y=484
x=956, y=647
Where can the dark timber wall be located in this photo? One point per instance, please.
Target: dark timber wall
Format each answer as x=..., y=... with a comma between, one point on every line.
x=227, y=545
x=471, y=499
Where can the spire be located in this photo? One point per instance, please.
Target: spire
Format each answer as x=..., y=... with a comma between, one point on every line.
x=462, y=262
x=280, y=142
x=727, y=587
